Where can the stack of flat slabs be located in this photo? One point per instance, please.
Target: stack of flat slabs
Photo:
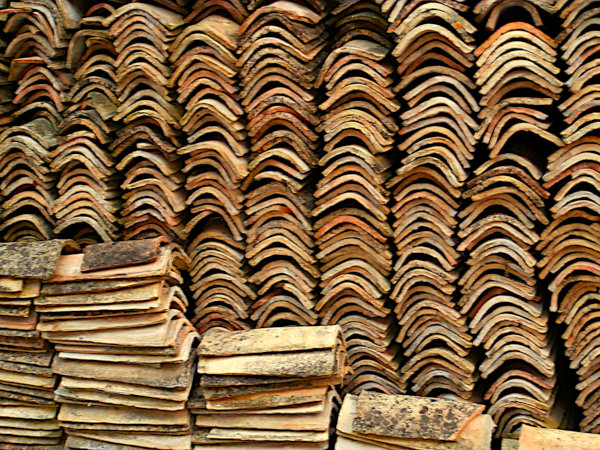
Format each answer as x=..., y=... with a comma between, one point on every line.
x=27, y=407
x=372, y=420
x=125, y=349
x=267, y=388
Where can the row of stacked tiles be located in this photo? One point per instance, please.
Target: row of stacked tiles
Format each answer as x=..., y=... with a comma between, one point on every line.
x=422, y=173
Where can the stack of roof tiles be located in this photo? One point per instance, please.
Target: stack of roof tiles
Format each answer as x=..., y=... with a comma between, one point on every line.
x=351, y=201
x=422, y=173
x=38, y=40
x=125, y=349
x=569, y=245
x=27, y=407
x=205, y=61
x=281, y=46
x=27, y=184
x=517, y=82
x=146, y=145
x=268, y=388
x=437, y=145
x=87, y=205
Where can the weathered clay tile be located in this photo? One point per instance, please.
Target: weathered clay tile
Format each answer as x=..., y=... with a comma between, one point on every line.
x=531, y=437
x=474, y=431
x=493, y=9
x=24, y=152
x=105, y=97
x=17, y=259
x=150, y=116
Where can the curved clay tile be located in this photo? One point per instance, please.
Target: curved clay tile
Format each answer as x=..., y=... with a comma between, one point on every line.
x=511, y=175
x=460, y=368
x=500, y=114
x=421, y=239
x=429, y=53
x=574, y=37
x=430, y=133
x=425, y=175
x=400, y=9
x=507, y=319
x=166, y=20
x=498, y=7
x=377, y=70
x=512, y=31
x=580, y=103
x=202, y=58
x=219, y=155
x=565, y=235
x=441, y=213
x=26, y=226
x=441, y=158
x=352, y=165
x=506, y=201
x=209, y=8
x=420, y=30
x=433, y=12
x=217, y=32
x=362, y=50
x=307, y=29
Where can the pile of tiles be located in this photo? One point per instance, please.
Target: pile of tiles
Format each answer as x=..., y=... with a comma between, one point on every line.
x=375, y=421
x=281, y=47
x=38, y=34
x=437, y=147
x=146, y=145
x=569, y=245
x=27, y=407
x=268, y=388
x=87, y=180
x=27, y=186
x=215, y=164
x=124, y=347
x=517, y=81
x=350, y=200
x=422, y=173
